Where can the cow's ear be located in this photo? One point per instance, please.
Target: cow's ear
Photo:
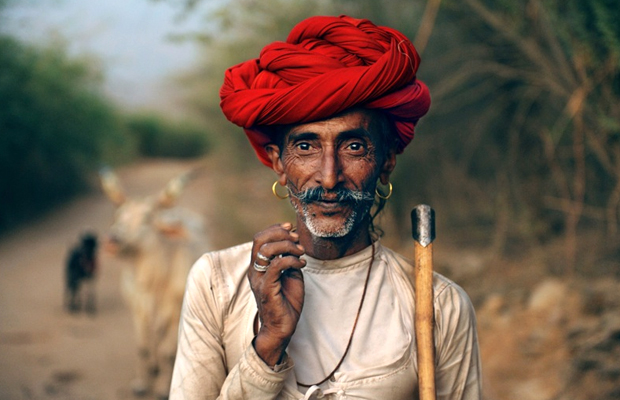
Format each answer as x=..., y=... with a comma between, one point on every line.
x=111, y=186
x=173, y=190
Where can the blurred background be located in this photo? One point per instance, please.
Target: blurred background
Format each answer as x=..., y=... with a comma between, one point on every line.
x=519, y=156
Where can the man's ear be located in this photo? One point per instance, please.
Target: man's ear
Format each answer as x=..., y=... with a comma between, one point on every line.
x=388, y=166
x=273, y=151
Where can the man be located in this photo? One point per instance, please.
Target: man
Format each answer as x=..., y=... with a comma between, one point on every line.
x=320, y=309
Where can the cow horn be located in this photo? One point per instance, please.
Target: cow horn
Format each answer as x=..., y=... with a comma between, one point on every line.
x=111, y=186
x=175, y=187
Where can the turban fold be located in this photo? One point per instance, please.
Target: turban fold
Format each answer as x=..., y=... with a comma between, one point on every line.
x=326, y=65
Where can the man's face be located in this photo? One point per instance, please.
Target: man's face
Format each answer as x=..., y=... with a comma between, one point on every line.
x=331, y=168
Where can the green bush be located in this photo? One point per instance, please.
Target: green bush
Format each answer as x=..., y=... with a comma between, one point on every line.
x=159, y=137
x=55, y=128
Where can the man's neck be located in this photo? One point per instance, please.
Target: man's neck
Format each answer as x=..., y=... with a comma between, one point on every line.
x=333, y=248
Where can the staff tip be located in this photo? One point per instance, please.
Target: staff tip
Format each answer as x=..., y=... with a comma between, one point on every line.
x=423, y=224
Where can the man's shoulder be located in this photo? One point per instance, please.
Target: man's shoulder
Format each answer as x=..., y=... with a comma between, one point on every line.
x=231, y=254
x=442, y=285
x=225, y=264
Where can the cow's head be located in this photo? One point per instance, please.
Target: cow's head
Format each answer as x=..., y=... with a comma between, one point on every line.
x=137, y=219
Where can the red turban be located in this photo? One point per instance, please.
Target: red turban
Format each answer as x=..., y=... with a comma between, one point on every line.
x=326, y=65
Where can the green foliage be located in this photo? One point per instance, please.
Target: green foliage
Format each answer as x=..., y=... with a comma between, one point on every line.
x=593, y=25
x=532, y=91
x=158, y=137
x=55, y=127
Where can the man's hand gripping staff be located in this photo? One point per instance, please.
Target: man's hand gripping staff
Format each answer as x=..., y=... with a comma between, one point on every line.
x=278, y=286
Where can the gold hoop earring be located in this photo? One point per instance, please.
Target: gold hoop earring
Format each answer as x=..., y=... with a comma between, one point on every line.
x=275, y=192
x=387, y=196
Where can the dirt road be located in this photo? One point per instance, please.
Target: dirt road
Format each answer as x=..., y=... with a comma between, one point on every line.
x=46, y=353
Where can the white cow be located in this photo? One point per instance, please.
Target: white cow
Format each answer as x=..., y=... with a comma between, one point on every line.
x=162, y=241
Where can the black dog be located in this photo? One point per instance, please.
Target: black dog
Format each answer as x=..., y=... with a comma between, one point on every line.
x=81, y=267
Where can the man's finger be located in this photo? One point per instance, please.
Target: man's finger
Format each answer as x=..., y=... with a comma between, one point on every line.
x=275, y=233
x=285, y=247
x=281, y=264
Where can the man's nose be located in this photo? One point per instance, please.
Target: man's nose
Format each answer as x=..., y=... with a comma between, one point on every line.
x=330, y=172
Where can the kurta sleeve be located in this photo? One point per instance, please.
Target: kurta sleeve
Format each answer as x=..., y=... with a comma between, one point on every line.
x=458, y=368
x=200, y=370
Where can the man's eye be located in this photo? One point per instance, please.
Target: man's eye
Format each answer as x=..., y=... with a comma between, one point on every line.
x=303, y=146
x=356, y=146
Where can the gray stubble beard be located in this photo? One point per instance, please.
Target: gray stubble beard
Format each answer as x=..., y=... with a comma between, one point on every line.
x=355, y=217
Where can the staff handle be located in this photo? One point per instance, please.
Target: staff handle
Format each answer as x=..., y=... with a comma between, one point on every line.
x=423, y=221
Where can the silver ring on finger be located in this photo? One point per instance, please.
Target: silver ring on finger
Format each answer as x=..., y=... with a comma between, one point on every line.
x=262, y=257
x=260, y=268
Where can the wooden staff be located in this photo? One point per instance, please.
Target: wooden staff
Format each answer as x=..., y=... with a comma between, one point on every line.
x=423, y=222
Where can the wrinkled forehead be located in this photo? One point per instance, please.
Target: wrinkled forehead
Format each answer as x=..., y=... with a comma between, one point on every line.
x=375, y=123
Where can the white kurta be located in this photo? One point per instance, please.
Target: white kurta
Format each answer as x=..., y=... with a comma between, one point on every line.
x=216, y=360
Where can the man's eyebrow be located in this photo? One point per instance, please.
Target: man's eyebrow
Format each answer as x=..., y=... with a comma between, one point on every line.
x=296, y=136
x=355, y=133
x=348, y=134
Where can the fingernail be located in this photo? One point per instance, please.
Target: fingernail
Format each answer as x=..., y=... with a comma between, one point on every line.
x=287, y=225
x=300, y=247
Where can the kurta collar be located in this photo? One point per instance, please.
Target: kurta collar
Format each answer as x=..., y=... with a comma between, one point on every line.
x=353, y=260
